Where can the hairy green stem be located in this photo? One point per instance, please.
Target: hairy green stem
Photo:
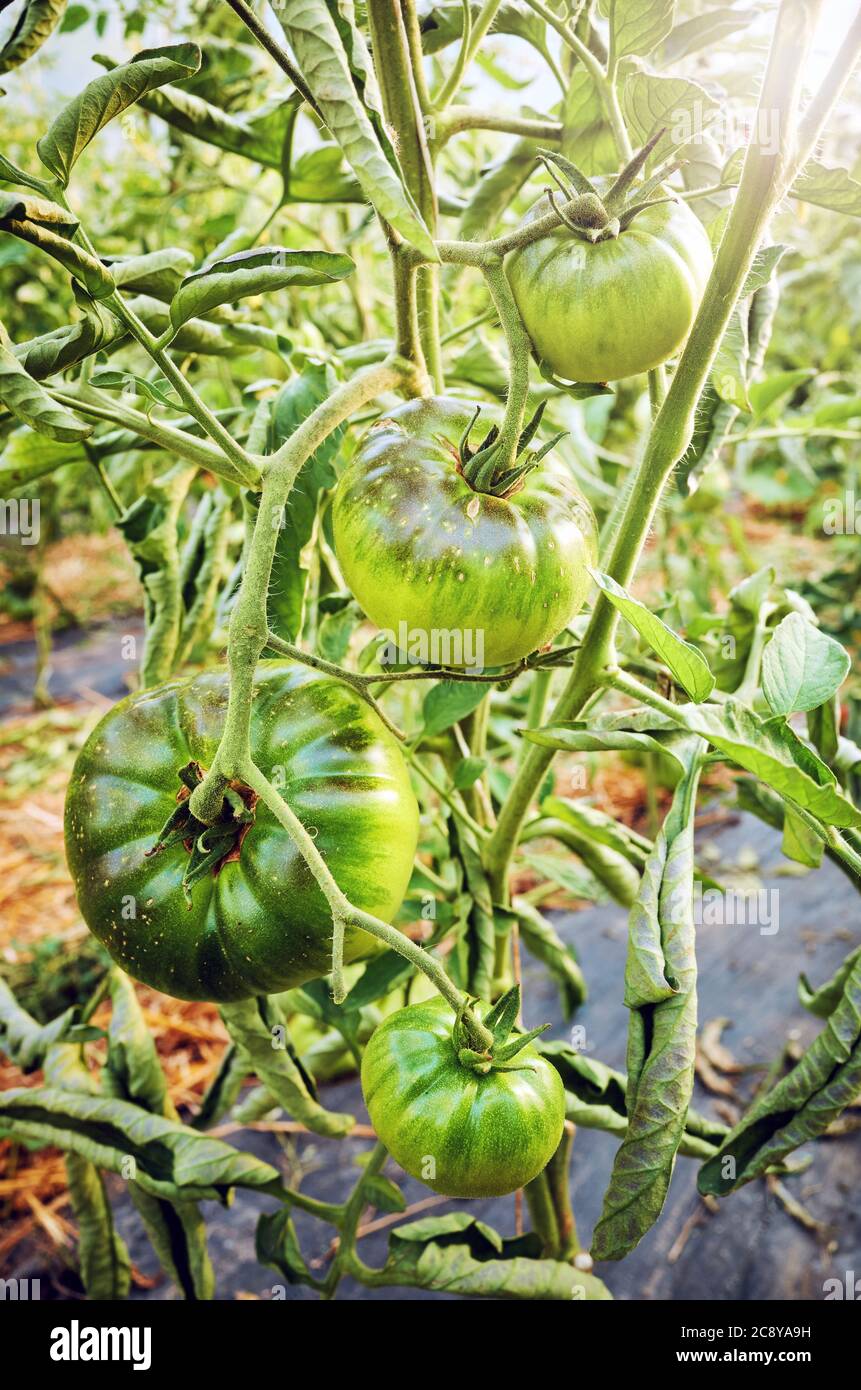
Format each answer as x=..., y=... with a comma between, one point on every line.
x=403, y=111
x=519, y=348
x=248, y=627
x=275, y=50
x=471, y=40
x=461, y=118
x=168, y=437
x=244, y=466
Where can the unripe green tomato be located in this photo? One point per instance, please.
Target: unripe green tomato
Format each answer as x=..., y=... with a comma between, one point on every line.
x=461, y=1132
x=256, y=922
x=610, y=309
x=426, y=555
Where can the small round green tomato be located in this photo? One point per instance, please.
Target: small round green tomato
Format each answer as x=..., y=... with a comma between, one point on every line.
x=610, y=309
x=463, y=1133
x=254, y=922
x=458, y=577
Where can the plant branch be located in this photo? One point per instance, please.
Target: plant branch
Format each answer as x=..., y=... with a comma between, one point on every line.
x=169, y=437
x=275, y=51
x=461, y=118
x=473, y=36
x=416, y=294
x=317, y=663
x=248, y=627
x=519, y=349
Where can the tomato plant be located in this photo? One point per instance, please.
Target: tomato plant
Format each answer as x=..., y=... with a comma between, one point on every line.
x=380, y=386
x=419, y=545
x=229, y=910
x=469, y=1124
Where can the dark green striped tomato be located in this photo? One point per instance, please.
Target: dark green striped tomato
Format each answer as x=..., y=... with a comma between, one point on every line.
x=609, y=309
x=464, y=1133
x=458, y=577
x=249, y=919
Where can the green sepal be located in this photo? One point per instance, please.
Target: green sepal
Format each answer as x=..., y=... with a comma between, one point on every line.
x=503, y=1016
x=615, y=196
x=574, y=176
x=511, y=1049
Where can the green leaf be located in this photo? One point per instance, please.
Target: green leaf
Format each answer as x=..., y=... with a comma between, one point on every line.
x=385, y=973
x=106, y=97
x=764, y=394
x=834, y=189
x=823, y=1001
x=800, y=843
x=10, y=173
x=158, y=273
x=638, y=26
x=448, y=702
x=133, y=1071
x=595, y=1099
x=587, y=138
x=254, y=272
x=103, y=1259
x=802, y=667
x=443, y=24
x=467, y=772
x=823, y=728
x=170, y=1160
x=660, y=991
x=223, y=1090
x=28, y=456
x=152, y=391
x=764, y=265
x=681, y=107
x=772, y=752
x=53, y=352
x=294, y=402
x=820, y=1086
x=30, y=402
x=686, y=663
x=48, y=227
x=277, y=1245
x=250, y=1024
x=560, y=870
x=704, y=30
x=384, y=1194
x=315, y=40
x=318, y=176
x=35, y=24
x=458, y=1254
x=24, y=1040
x=545, y=944
x=259, y=135
x=577, y=738
x=598, y=827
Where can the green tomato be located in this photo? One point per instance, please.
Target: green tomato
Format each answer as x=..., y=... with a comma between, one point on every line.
x=461, y=1132
x=457, y=577
x=254, y=921
x=614, y=308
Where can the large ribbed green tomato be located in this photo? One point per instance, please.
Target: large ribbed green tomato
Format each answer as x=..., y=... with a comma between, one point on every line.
x=257, y=923
x=602, y=311
x=461, y=1132
x=458, y=577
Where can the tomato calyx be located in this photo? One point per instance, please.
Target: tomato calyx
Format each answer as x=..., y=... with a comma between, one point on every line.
x=209, y=847
x=594, y=215
x=506, y=1043
x=480, y=467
